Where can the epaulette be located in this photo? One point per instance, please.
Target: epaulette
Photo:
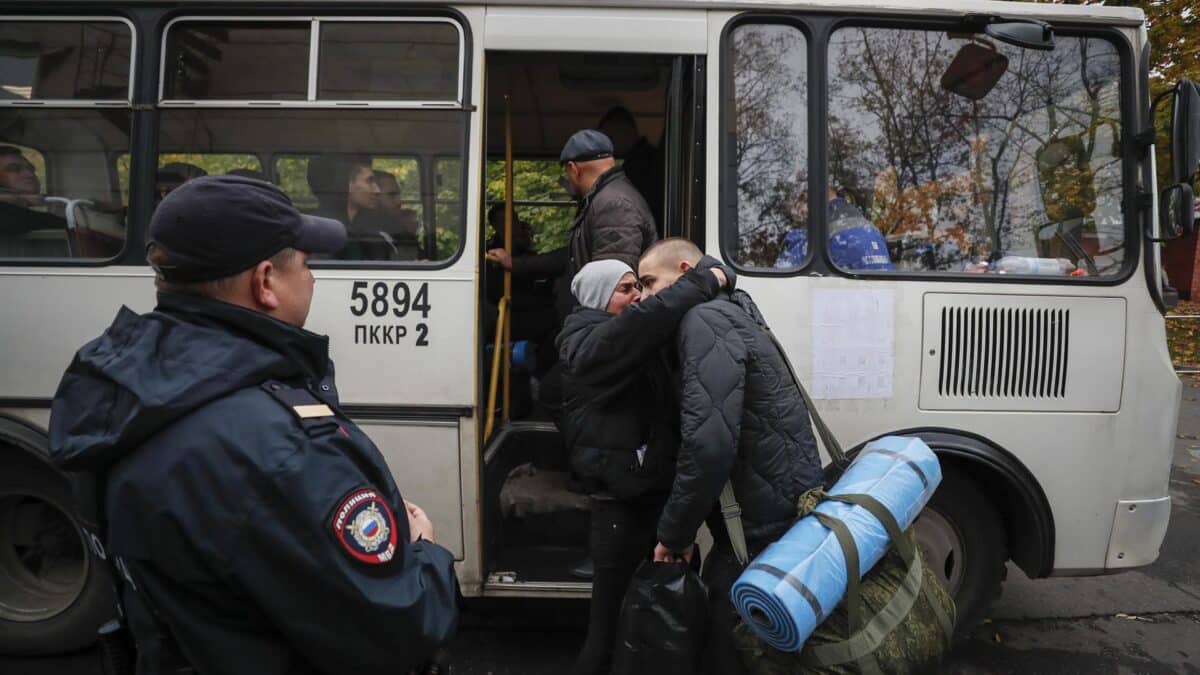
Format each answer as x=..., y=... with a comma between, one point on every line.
x=315, y=416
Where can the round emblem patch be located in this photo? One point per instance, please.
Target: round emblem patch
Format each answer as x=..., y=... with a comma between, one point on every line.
x=365, y=527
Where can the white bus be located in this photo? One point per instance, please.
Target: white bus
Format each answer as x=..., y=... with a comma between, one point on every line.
x=1012, y=313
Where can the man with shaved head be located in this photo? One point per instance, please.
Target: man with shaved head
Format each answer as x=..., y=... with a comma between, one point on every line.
x=743, y=421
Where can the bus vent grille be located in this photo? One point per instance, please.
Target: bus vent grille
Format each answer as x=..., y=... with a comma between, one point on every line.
x=1004, y=352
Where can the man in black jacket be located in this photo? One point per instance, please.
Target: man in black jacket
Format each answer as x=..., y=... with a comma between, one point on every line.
x=258, y=529
x=742, y=420
x=620, y=425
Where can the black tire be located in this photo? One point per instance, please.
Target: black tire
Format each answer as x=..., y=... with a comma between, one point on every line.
x=961, y=536
x=54, y=594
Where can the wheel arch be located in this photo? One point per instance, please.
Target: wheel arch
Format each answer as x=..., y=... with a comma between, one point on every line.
x=1012, y=487
x=25, y=437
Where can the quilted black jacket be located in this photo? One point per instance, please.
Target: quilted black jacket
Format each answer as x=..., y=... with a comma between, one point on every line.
x=618, y=393
x=741, y=418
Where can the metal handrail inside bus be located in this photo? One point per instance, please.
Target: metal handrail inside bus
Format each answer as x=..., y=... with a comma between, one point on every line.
x=501, y=320
x=502, y=347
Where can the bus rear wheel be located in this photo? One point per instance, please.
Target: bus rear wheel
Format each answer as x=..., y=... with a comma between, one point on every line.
x=961, y=536
x=53, y=594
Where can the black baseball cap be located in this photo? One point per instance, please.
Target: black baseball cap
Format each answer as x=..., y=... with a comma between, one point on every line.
x=586, y=145
x=216, y=226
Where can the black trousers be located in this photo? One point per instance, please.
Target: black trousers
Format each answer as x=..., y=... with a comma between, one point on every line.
x=623, y=534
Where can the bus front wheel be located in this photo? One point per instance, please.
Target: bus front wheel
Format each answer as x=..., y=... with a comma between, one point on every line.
x=961, y=536
x=53, y=593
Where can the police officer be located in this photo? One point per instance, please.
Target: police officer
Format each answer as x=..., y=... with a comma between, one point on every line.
x=257, y=528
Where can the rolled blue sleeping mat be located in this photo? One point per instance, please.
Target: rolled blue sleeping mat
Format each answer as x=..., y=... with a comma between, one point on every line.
x=789, y=589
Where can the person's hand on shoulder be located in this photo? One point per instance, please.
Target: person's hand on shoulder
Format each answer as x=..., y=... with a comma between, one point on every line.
x=420, y=528
x=724, y=274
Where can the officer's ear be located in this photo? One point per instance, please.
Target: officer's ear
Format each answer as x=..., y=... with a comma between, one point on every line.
x=264, y=285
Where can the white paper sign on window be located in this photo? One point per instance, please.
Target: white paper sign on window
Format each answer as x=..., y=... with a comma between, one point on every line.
x=853, y=343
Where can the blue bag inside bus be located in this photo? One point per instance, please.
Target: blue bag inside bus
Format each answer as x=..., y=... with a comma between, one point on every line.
x=799, y=580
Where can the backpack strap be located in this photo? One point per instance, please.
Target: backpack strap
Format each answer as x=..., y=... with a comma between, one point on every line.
x=731, y=511
x=832, y=446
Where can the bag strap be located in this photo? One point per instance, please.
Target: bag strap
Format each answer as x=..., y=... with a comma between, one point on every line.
x=732, y=513
x=827, y=438
x=903, y=544
x=730, y=510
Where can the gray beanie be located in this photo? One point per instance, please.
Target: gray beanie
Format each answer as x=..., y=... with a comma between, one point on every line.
x=595, y=283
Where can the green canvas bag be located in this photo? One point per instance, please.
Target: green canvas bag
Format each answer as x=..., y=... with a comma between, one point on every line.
x=896, y=619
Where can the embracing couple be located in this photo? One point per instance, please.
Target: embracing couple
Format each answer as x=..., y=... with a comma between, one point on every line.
x=673, y=386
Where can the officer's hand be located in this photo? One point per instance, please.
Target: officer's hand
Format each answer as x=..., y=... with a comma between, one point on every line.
x=722, y=280
x=419, y=525
x=500, y=257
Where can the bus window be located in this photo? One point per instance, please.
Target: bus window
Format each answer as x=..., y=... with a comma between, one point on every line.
x=237, y=61
x=175, y=169
x=325, y=160
x=65, y=60
x=361, y=165
x=398, y=180
x=59, y=195
x=770, y=98
x=1020, y=174
x=410, y=61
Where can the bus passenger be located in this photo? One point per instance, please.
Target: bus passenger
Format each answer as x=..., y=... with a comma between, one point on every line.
x=642, y=162
x=259, y=531
x=347, y=190
x=20, y=193
x=621, y=424
x=173, y=174
x=393, y=217
x=532, y=309
x=743, y=421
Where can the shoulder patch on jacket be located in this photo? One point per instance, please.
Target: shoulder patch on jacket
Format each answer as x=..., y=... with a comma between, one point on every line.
x=364, y=526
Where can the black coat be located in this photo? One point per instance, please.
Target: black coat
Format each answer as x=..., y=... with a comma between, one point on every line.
x=618, y=391
x=742, y=419
x=265, y=542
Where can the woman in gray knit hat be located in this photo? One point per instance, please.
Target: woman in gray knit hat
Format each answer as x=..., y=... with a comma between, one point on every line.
x=621, y=422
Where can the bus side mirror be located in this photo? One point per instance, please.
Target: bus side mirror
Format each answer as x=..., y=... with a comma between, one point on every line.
x=1185, y=131
x=1176, y=211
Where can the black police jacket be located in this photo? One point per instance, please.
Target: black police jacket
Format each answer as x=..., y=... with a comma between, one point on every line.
x=618, y=395
x=260, y=537
x=742, y=420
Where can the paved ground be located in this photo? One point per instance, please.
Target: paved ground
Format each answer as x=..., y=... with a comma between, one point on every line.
x=1146, y=621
